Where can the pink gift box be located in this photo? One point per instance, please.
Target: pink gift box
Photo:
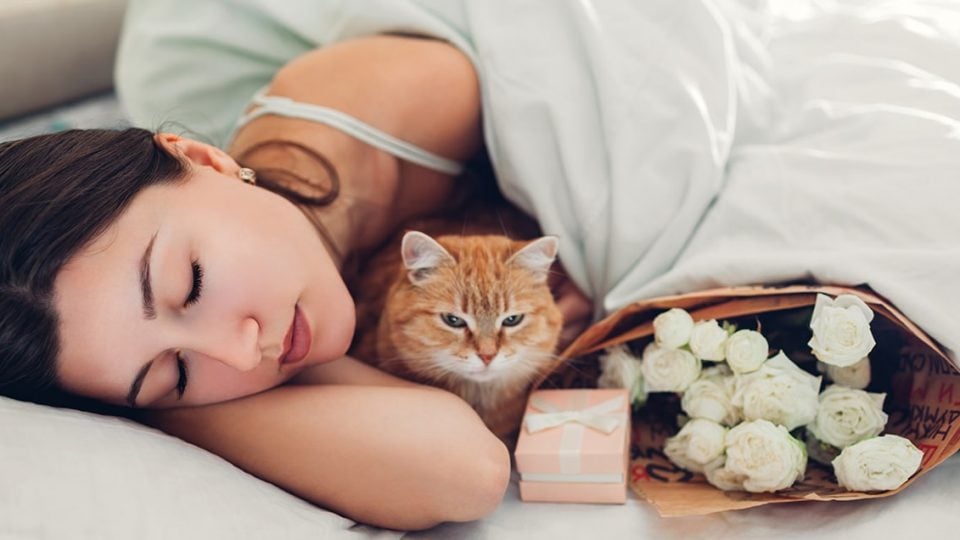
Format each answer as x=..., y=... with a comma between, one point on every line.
x=574, y=445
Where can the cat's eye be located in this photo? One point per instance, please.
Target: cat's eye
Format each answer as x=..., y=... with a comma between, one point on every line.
x=452, y=320
x=513, y=320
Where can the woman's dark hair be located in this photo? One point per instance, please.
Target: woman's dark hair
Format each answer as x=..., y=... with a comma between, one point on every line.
x=57, y=193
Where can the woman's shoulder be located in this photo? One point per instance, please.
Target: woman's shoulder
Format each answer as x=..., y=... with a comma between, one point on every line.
x=197, y=64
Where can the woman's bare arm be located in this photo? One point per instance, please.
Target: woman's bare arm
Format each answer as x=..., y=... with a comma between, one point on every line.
x=349, y=370
x=401, y=457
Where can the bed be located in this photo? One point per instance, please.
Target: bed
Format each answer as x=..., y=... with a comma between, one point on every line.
x=69, y=474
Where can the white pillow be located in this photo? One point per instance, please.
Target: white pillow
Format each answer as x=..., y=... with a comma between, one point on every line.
x=71, y=474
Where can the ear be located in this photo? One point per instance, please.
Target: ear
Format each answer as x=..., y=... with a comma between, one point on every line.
x=537, y=256
x=422, y=255
x=198, y=153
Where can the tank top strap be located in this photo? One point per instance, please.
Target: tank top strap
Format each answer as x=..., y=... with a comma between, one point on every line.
x=282, y=106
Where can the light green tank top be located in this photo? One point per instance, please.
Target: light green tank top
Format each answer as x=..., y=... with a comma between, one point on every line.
x=198, y=73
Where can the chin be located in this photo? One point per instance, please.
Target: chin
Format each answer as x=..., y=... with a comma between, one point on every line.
x=482, y=376
x=331, y=340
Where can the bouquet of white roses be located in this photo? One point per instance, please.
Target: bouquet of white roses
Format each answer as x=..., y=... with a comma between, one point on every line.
x=753, y=392
x=749, y=414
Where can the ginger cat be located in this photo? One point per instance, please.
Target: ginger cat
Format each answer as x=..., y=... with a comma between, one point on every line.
x=470, y=314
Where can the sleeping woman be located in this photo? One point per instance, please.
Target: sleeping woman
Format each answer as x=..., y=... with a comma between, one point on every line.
x=151, y=271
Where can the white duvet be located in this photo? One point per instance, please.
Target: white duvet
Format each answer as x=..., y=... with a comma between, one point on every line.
x=677, y=146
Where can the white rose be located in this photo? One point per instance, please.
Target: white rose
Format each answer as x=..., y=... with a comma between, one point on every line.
x=621, y=369
x=746, y=350
x=710, y=396
x=841, y=330
x=760, y=456
x=697, y=445
x=853, y=376
x=668, y=370
x=779, y=392
x=707, y=340
x=725, y=479
x=877, y=464
x=671, y=329
x=847, y=415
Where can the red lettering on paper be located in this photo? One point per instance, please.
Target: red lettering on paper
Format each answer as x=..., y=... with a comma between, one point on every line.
x=945, y=395
x=919, y=392
x=638, y=472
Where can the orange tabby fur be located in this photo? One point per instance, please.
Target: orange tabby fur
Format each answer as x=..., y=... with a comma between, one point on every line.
x=479, y=281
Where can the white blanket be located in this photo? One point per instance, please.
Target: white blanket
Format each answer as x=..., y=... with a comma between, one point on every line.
x=677, y=146
x=673, y=145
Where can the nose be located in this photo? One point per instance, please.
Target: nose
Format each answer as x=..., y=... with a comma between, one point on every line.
x=235, y=345
x=486, y=348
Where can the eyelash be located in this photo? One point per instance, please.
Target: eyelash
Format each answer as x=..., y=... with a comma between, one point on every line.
x=194, y=295
x=182, y=380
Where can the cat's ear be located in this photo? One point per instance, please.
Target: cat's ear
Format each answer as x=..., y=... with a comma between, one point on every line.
x=537, y=256
x=422, y=255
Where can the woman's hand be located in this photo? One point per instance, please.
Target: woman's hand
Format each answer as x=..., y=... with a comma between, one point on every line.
x=574, y=304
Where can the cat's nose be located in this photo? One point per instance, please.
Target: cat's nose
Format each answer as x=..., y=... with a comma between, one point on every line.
x=486, y=358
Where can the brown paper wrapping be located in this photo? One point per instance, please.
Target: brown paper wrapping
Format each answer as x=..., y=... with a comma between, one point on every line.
x=922, y=386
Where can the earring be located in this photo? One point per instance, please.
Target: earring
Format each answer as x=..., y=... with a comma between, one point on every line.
x=247, y=175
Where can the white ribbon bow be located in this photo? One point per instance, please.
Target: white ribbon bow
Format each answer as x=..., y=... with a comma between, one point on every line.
x=598, y=417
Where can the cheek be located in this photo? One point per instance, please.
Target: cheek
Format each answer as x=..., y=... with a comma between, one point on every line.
x=212, y=382
x=335, y=328
x=542, y=333
x=423, y=337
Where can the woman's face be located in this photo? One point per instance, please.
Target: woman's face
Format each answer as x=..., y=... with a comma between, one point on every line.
x=210, y=282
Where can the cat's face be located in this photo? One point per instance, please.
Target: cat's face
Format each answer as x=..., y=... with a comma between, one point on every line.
x=476, y=308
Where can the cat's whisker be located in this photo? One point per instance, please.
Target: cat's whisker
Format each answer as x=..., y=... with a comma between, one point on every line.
x=530, y=376
x=503, y=227
x=557, y=273
x=390, y=360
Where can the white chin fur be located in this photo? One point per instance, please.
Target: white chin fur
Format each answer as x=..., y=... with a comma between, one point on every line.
x=473, y=368
x=482, y=376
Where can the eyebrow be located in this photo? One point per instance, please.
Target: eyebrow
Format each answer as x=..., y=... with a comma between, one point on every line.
x=137, y=382
x=149, y=312
x=146, y=290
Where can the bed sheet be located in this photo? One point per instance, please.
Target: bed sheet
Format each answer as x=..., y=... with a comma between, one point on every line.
x=930, y=507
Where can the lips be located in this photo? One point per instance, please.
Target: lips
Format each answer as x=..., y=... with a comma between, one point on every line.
x=296, y=344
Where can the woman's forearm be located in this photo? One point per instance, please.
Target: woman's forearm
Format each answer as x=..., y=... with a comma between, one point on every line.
x=395, y=457
x=349, y=370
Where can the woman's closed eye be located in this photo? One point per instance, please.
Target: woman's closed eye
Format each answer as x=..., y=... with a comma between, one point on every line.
x=192, y=298
x=195, y=289
x=182, y=377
